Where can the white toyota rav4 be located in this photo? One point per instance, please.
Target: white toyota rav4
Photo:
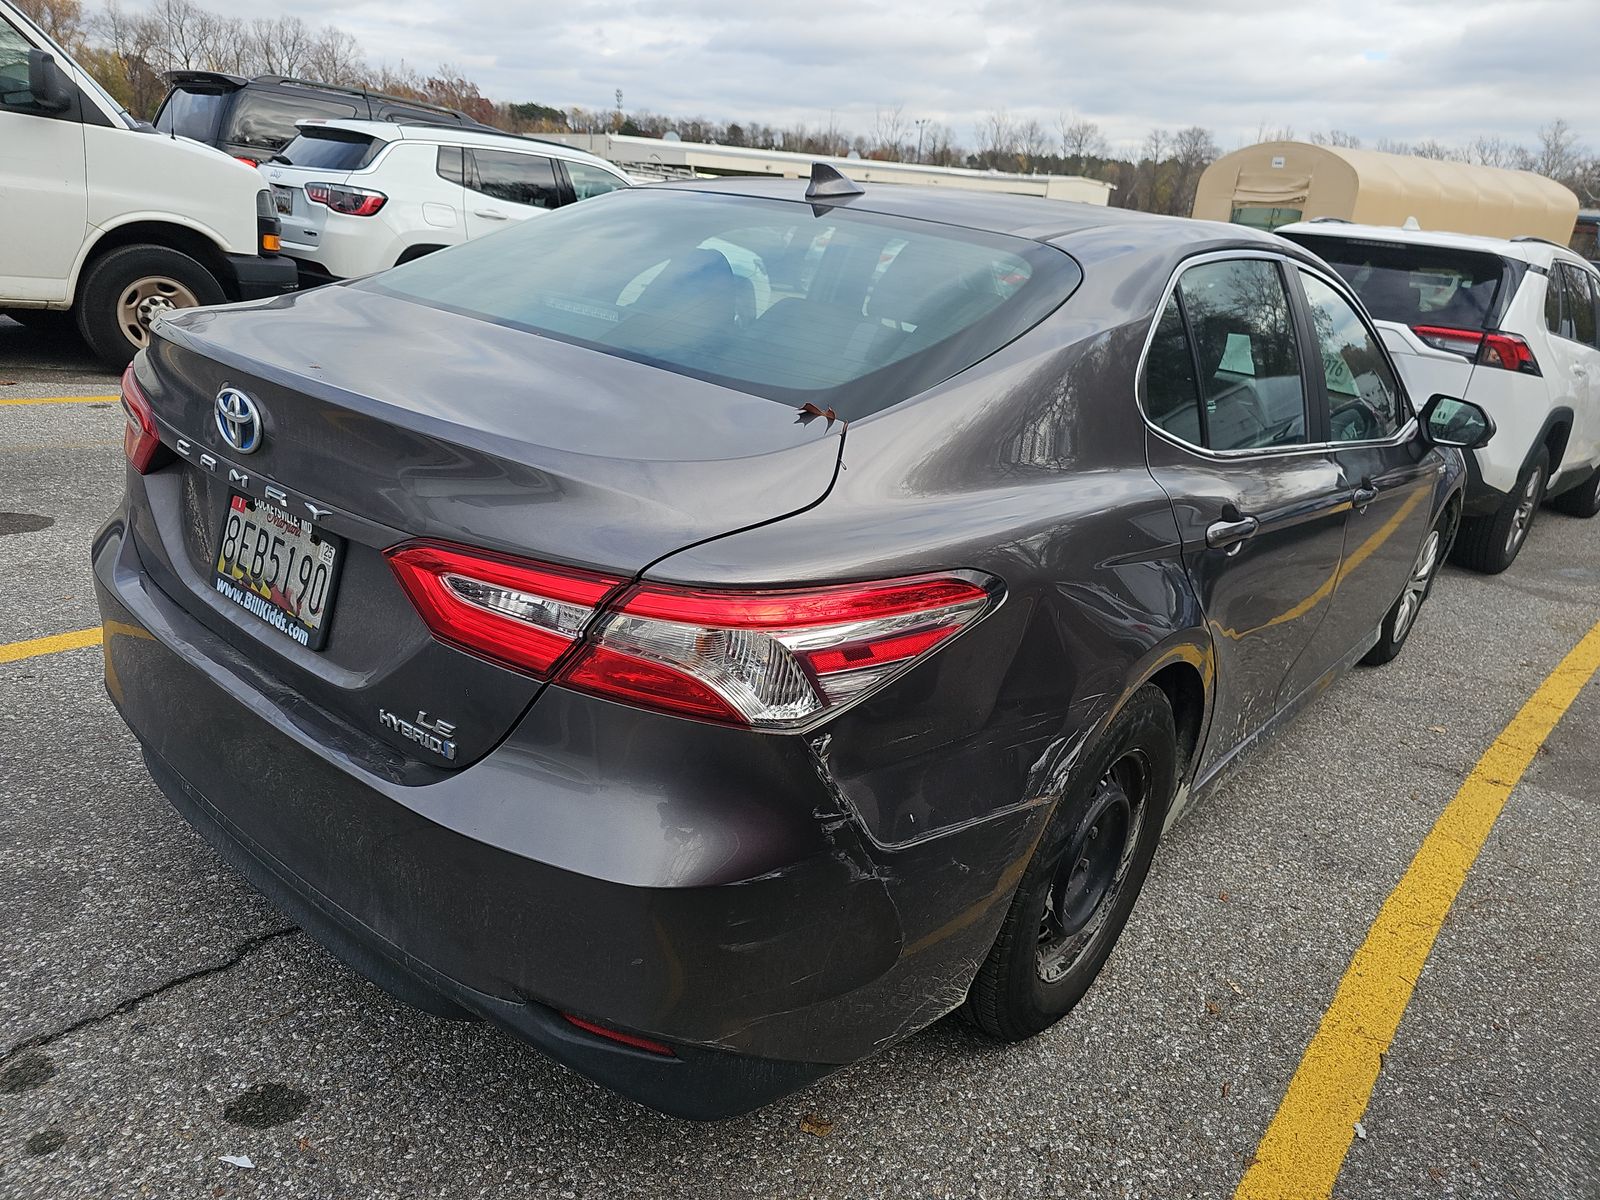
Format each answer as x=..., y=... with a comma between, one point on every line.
x=361, y=196
x=1513, y=326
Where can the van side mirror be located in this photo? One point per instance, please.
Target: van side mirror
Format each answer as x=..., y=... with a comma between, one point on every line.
x=1449, y=421
x=52, y=90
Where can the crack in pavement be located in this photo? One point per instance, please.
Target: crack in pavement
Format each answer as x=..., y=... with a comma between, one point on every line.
x=240, y=952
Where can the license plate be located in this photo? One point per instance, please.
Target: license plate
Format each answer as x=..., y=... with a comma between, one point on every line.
x=279, y=568
x=283, y=198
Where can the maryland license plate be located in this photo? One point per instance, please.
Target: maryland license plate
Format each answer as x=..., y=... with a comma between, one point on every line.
x=279, y=568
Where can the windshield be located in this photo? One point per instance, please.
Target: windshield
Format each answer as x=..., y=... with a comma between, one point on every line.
x=1415, y=284
x=850, y=310
x=191, y=114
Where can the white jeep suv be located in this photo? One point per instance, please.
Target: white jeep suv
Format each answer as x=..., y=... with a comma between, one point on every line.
x=1513, y=326
x=356, y=197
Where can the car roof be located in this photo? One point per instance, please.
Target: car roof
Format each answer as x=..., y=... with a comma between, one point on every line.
x=1033, y=217
x=450, y=135
x=1533, y=250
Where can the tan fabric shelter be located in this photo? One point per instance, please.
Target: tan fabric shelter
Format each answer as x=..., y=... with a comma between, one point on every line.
x=1278, y=182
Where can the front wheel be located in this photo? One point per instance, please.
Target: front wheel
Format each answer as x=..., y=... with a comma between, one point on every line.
x=1402, y=615
x=1084, y=877
x=125, y=291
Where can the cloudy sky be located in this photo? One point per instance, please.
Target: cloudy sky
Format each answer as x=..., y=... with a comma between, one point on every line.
x=1403, y=69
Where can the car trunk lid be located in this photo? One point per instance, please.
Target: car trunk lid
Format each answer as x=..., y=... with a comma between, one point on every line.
x=393, y=422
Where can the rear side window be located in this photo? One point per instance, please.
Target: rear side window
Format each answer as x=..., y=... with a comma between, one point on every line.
x=1172, y=393
x=331, y=149
x=516, y=178
x=1577, y=306
x=769, y=297
x=588, y=180
x=1416, y=285
x=265, y=120
x=449, y=164
x=1242, y=329
x=1363, y=397
x=191, y=114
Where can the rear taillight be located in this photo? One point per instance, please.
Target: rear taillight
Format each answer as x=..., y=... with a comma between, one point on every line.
x=1506, y=351
x=765, y=659
x=353, y=202
x=772, y=659
x=140, y=441
x=525, y=615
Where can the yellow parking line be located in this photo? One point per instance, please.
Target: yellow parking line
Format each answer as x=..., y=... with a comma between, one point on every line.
x=33, y=647
x=1305, y=1144
x=18, y=401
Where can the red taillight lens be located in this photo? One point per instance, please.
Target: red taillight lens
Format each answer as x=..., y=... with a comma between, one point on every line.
x=767, y=659
x=1506, y=351
x=771, y=659
x=523, y=614
x=140, y=441
x=353, y=202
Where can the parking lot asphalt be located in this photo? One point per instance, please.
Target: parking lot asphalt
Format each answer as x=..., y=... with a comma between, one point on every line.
x=156, y=1015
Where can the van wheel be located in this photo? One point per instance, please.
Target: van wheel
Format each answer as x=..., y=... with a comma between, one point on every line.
x=1490, y=544
x=1402, y=615
x=1581, y=501
x=127, y=289
x=1084, y=877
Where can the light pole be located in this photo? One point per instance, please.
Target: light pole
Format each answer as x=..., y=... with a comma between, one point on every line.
x=921, y=123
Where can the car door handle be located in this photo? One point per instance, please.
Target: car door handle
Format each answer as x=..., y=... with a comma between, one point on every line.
x=489, y=214
x=1363, y=495
x=1231, y=535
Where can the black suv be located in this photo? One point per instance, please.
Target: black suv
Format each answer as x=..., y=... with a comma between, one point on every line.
x=253, y=119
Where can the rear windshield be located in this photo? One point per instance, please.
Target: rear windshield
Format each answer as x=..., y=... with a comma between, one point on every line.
x=191, y=114
x=1416, y=285
x=265, y=120
x=851, y=310
x=330, y=150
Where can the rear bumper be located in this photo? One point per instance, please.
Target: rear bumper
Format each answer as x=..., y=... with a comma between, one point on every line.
x=698, y=886
x=258, y=276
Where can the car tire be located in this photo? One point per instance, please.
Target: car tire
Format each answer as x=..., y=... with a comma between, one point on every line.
x=1064, y=920
x=122, y=292
x=1491, y=543
x=1401, y=618
x=1581, y=501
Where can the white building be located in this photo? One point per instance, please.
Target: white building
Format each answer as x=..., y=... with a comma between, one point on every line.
x=678, y=159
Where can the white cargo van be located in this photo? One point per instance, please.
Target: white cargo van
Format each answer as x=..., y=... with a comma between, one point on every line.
x=105, y=222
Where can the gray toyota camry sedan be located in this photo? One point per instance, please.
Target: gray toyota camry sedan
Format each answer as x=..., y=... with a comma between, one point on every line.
x=715, y=630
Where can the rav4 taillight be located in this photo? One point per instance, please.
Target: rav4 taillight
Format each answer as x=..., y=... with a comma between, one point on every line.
x=778, y=659
x=140, y=441
x=353, y=202
x=1506, y=351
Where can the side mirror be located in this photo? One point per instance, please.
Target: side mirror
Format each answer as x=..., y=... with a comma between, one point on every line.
x=52, y=90
x=1448, y=421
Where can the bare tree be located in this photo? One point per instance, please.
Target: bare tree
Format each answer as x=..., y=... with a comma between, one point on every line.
x=1431, y=148
x=1032, y=144
x=889, y=133
x=1193, y=150
x=997, y=139
x=1336, y=137
x=1558, y=153
x=335, y=57
x=1489, y=151
x=1081, y=140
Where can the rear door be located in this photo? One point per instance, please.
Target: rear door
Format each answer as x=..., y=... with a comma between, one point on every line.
x=262, y=121
x=1260, y=506
x=1391, y=473
x=507, y=186
x=1575, y=350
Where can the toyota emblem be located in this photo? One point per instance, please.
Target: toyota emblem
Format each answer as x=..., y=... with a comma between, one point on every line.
x=238, y=420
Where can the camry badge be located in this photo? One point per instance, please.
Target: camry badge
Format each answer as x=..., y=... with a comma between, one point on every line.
x=238, y=420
